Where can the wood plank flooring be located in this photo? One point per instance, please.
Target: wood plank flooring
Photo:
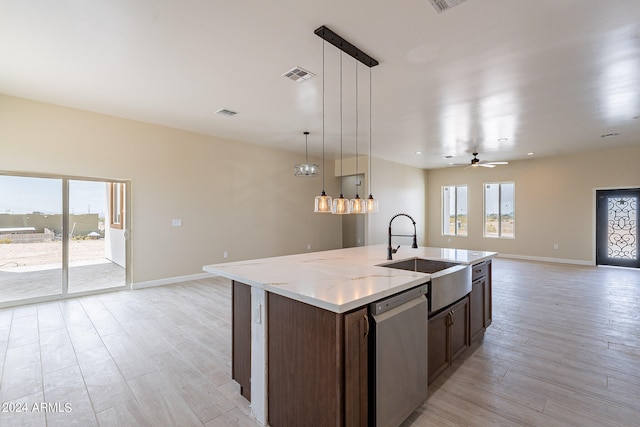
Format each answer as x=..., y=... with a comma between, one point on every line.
x=563, y=349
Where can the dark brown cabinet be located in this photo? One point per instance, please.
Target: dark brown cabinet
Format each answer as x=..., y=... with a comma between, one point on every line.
x=448, y=337
x=318, y=360
x=317, y=364
x=480, y=300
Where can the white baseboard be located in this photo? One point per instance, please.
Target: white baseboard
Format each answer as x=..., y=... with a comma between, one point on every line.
x=546, y=259
x=170, y=280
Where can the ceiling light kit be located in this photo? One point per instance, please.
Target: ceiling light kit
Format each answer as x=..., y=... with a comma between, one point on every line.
x=341, y=205
x=306, y=168
x=475, y=162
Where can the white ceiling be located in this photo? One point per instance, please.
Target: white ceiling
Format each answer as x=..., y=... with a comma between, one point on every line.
x=550, y=76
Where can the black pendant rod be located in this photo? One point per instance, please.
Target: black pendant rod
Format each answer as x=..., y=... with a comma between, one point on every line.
x=328, y=35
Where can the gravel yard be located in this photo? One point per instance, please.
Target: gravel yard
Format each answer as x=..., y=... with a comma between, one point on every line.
x=28, y=254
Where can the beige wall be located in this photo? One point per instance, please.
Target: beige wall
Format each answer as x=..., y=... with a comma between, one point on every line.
x=554, y=202
x=230, y=195
x=398, y=189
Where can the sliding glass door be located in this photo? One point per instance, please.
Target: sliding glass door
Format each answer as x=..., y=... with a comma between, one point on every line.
x=30, y=237
x=60, y=236
x=96, y=250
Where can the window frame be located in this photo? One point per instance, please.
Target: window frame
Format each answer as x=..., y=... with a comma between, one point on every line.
x=456, y=232
x=116, y=205
x=500, y=213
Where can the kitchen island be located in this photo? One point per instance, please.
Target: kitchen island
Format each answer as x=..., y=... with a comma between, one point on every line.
x=300, y=327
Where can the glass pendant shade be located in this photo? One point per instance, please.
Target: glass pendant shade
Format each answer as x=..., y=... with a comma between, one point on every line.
x=341, y=206
x=306, y=169
x=372, y=204
x=358, y=205
x=323, y=203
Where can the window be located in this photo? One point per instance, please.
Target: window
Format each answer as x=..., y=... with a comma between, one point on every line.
x=454, y=210
x=499, y=209
x=116, y=203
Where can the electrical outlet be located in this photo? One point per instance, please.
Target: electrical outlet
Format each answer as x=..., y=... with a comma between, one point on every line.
x=308, y=246
x=176, y=223
x=225, y=254
x=555, y=246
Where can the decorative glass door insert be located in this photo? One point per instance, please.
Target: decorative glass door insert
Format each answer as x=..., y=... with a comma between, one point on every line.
x=617, y=228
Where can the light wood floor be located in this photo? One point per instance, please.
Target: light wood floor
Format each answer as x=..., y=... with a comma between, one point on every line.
x=564, y=349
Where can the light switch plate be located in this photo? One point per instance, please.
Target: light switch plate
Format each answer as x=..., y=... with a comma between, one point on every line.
x=176, y=223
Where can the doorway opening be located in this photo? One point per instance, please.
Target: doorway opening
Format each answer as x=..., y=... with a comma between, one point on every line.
x=617, y=227
x=353, y=226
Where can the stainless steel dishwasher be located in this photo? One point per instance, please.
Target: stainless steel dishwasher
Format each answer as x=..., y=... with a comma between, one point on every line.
x=399, y=360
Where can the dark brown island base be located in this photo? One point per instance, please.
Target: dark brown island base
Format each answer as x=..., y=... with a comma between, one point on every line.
x=305, y=339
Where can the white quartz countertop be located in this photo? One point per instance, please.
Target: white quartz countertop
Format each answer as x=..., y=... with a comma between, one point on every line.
x=339, y=280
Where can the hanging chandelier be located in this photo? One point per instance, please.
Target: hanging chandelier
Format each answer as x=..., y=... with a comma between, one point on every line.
x=341, y=205
x=306, y=168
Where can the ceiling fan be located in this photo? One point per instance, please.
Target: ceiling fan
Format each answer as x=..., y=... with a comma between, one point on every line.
x=475, y=162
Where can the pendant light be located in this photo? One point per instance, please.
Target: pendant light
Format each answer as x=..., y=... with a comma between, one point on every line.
x=372, y=204
x=341, y=205
x=356, y=204
x=323, y=202
x=306, y=168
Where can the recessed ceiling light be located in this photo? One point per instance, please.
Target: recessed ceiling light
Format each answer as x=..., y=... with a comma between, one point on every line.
x=609, y=135
x=503, y=139
x=298, y=74
x=418, y=152
x=529, y=154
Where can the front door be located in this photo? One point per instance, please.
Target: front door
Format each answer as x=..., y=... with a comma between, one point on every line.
x=617, y=227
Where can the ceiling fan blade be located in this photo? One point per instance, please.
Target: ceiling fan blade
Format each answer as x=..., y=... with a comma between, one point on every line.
x=497, y=163
x=487, y=165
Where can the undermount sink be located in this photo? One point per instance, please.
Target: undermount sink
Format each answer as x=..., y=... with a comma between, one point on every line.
x=450, y=281
x=420, y=264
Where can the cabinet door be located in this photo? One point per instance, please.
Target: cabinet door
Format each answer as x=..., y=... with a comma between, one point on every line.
x=459, y=328
x=476, y=309
x=356, y=331
x=438, y=345
x=488, y=307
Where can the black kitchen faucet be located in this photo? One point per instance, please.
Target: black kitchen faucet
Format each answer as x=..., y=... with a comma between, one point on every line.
x=414, y=245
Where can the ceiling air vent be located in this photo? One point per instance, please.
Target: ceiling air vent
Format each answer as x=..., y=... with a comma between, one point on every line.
x=226, y=112
x=442, y=5
x=298, y=74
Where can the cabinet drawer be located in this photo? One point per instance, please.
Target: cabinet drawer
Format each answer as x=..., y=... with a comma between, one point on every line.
x=479, y=270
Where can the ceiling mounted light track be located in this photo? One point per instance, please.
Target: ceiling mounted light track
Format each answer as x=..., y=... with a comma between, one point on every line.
x=328, y=35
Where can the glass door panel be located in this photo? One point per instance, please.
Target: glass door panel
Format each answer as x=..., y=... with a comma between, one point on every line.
x=617, y=228
x=96, y=249
x=30, y=237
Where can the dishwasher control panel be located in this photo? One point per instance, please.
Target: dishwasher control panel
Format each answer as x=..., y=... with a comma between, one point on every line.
x=394, y=301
